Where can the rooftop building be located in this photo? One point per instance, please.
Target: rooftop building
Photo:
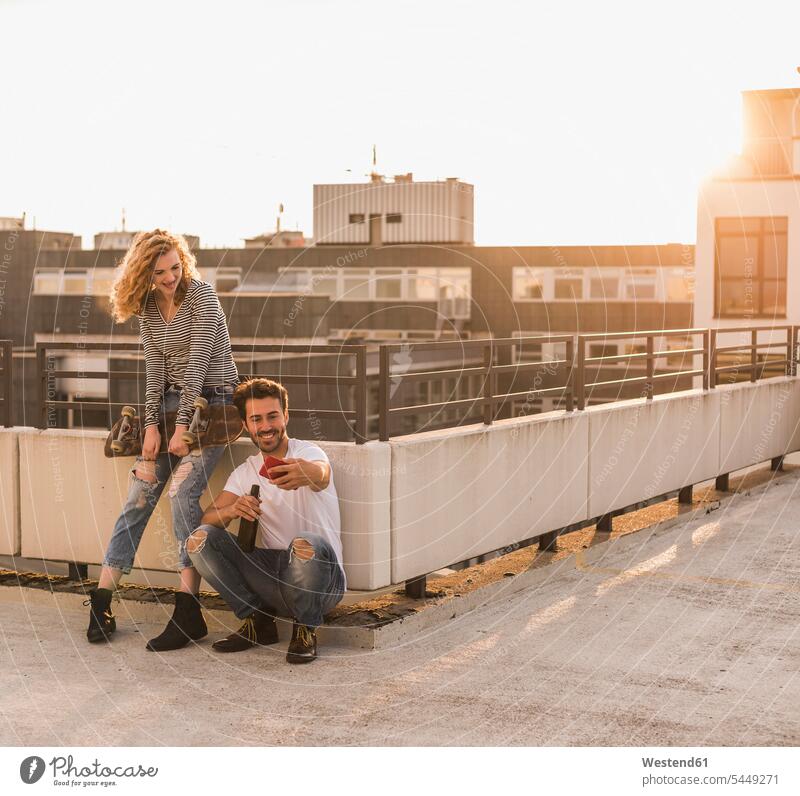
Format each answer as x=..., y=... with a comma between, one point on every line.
x=746, y=268
x=382, y=213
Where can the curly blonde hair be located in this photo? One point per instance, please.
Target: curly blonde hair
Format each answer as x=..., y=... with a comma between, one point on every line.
x=134, y=279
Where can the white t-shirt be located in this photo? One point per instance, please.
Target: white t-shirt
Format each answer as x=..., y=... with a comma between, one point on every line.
x=289, y=513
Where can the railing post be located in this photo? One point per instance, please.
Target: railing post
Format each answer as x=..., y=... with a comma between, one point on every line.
x=650, y=368
x=77, y=571
x=361, y=395
x=8, y=380
x=705, y=358
x=383, y=394
x=488, y=393
x=41, y=372
x=416, y=587
x=712, y=359
x=753, y=353
x=569, y=382
x=548, y=542
x=581, y=373
x=605, y=524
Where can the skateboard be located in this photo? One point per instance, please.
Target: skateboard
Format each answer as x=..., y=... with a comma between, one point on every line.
x=214, y=424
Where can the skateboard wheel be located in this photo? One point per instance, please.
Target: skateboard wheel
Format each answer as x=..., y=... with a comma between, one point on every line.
x=116, y=446
x=200, y=403
x=128, y=411
x=188, y=437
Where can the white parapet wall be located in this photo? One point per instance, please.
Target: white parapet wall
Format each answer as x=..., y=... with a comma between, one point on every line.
x=758, y=421
x=458, y=493
x=641, y=449
x=70, y=496
x=418, y=503
x=9, y=492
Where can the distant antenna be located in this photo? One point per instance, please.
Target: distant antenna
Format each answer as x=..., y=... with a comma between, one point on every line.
x=373, y=175
x=123, y=219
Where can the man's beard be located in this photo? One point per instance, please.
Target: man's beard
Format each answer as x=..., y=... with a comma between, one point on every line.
x=266, y=445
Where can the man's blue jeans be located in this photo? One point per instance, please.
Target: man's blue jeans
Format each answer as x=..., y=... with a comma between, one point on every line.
x=190, y=476
x=278, y=582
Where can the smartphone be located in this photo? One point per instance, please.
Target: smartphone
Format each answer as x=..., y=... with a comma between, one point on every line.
x=269, y=462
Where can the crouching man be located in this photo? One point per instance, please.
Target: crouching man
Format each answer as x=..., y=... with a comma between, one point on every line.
x=296, y=571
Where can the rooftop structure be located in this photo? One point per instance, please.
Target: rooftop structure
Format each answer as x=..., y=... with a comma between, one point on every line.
x=746, y=266
x=120, y=240
x=383, y=213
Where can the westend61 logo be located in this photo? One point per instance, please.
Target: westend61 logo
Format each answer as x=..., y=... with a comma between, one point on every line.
x=66, y=773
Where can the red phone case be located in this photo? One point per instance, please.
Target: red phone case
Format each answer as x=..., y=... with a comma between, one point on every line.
x=270, y=461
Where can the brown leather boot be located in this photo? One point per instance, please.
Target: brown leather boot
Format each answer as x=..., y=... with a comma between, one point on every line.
x=303, y=646
x=257, y=629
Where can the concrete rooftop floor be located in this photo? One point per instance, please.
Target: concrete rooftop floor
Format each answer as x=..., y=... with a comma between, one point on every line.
x=685, y=635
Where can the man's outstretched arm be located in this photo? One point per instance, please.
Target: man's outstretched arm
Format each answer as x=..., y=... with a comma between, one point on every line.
x=301, y=472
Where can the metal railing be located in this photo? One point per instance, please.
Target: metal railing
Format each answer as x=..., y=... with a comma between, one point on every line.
x=357, y=416
x=7, y=380
x=746, y=354
x=486, y=353
x=577, y=374
x=48, y=373
x=647, y=358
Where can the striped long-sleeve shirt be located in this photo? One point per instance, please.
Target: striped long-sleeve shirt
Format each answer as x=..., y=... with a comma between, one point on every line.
x=192, y=351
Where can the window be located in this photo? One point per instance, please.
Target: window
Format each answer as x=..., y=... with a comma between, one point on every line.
x=679, y=361
x=47, y=284
x=357, y=218
x=678, y=286
x=635, y=348
x=394, y=218
x=604, y=287
x=388, y=285
x=527, y=284
x=750, y=267
x=423, y=284
x=568, y=288
x=568, y=284
x=450, y=288
x=641, y=289
x=323, y=282
x=356, y=284
x=602, y=350
x=528, y=352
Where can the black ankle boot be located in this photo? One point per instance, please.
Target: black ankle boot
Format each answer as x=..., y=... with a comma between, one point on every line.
x=187, y=624
x=101, y=621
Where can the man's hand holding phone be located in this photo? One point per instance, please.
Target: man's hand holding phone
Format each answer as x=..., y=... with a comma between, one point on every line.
x=294, y=473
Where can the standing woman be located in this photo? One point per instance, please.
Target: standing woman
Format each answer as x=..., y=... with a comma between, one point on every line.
x=187, y=353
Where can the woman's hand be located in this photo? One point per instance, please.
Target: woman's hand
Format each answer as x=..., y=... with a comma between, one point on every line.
x=151, y=443
x=176, y=445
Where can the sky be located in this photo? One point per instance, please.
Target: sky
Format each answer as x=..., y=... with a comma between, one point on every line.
x=578, y=123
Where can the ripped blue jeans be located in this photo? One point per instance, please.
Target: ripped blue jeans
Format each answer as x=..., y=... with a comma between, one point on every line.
x=190, y=476
x=278, y=582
